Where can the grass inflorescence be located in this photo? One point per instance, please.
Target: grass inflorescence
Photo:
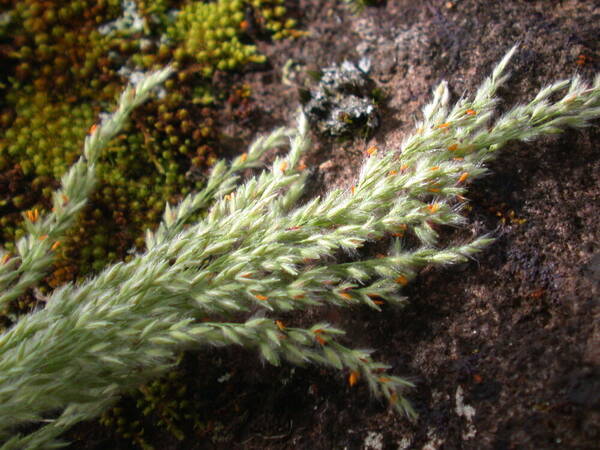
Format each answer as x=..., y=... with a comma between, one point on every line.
x=257, y=252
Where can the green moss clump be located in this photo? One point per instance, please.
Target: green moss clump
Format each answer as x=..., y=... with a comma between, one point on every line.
x=45, y=138
x=358, y=6
x=64, y=63
x=156, y=10
x=56, y=45
x=46, y=135
x=164, y=402
x=211, y=34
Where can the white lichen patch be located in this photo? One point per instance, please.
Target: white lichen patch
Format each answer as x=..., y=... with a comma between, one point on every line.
x=373, y=441
x=130, y=22
x=405, y=443
x=466, y=411
x=434, y=441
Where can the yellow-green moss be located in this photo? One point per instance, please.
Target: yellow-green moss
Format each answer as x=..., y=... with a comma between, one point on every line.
x=57, y=44
x=164, y=402
x=211, y=34
x=61, y=72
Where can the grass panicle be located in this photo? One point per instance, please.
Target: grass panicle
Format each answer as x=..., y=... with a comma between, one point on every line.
x=253, y=252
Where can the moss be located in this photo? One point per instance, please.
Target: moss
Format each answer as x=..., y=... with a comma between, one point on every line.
x=56, y=45
x=358, y=6
x=212, y=34
x=60, y=71
x=164, y=402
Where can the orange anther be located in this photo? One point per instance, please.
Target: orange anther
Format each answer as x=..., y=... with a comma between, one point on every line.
x=228, y=196
x=353, y=378
x=384, y=379
x=244, y=157
x=444, y=125
x=401, y=229
x=434, y=168
x=280, y=325
x=345, y=295
x=404, y=167
x=298, y=33
x=298, y=297
x=320, y=340
x=372, y=150
x=55, y=245
x=5, y=258
x=353, y=190
x=435, y=190
x=463, y=177
x=453, y=147
x=43, y=237
x=393, y=172
x=537, y=293
x=378, y=302
x=571, y=98
x=283, y=167
x=458, y=158
x=33, y=215
x=244, y=25
x=92, y=129
x=301, y=166
x=470, y=112
x=247, y=275
x=261, y=297
x=582, y=60
x=401, y=279
x=433, y=207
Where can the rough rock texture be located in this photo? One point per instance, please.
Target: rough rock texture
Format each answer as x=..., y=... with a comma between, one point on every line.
x=504, y=350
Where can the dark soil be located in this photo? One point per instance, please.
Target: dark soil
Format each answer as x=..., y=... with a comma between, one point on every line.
x=505, y=350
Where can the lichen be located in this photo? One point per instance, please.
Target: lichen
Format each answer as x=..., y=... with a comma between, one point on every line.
x=342, y=101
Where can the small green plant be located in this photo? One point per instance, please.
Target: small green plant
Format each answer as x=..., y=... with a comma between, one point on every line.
x=253, y=254
x=358, y=6
x=65, y=61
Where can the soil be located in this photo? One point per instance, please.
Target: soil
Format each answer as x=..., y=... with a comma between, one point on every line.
x=504, y=350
